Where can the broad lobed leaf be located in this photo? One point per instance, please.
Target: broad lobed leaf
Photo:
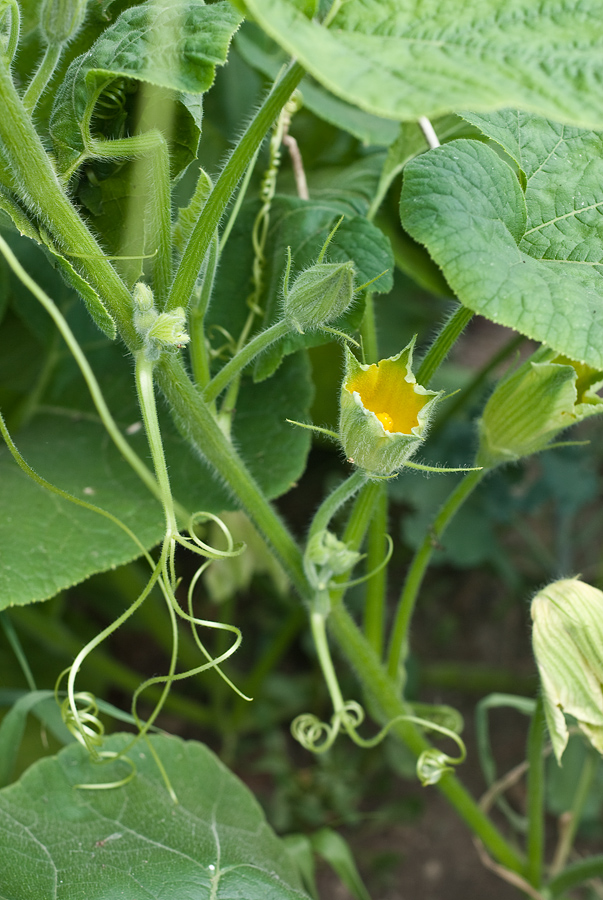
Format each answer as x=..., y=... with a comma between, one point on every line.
x=533, y=260
x=130, y=841
x=428, y=57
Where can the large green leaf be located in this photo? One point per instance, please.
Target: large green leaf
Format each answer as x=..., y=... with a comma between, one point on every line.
x=173, y=45
x=262, y=53
x=49, y=544
x=533, y=262
x=61, y=843
x=405, y=60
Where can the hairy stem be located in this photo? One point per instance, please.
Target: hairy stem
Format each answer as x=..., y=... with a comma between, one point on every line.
x=233, y=171
x=418, y=567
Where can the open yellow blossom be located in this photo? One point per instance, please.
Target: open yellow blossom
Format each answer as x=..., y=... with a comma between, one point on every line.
x=392, y=399
x=384, y=412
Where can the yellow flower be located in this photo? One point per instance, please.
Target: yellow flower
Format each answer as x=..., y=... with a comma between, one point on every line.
x=384, y=413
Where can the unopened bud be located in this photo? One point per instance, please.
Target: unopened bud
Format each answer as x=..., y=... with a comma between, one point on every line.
x=320, y=295
x=60, y=20
x=531, y=406
x=327, y=556
x=567, y=638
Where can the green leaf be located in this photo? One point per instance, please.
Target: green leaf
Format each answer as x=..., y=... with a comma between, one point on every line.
x=94, y=304
x=405, y=60
x=335, y=850
x=259, y=51
x=171, y=45
x=134, y=841
x=12, y=728
x=533, y=262
x=49, y=544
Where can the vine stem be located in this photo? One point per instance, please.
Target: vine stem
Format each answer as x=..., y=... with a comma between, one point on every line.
x=243, y=357
x=41, y=79
x=443, y=344
x=414, y=577
x=374, y=608
x=231, y=174
x=335, y=500
x=146, y=398
x=42, y=191
x=145, y=475
x=375, y=680
x=535, y=801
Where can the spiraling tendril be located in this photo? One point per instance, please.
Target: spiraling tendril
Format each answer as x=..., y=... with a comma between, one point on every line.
x=79, y=709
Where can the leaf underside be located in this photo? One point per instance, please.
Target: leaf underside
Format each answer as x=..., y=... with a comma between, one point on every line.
x=405, y=60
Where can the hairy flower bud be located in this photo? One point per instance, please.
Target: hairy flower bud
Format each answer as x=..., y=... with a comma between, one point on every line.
x=532, y=405
x=568, y=644
x=327, y=556
x=319, y=295
x=60, y=20
x=384, y=413
x=159, y=331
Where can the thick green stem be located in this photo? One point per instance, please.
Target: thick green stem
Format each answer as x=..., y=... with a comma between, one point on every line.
x=44, y=195
x=243, y=357
x=419, y=565
x=197, y=423
x=375, y=680
x=42, y=191
x=374, y=610
x=233, y=171
x=148, y=214
x=196, y=317
x=535, y=804
x=443, y=344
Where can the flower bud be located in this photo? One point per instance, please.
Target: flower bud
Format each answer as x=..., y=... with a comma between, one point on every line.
x=60, y=20
x=567, y=638
x=384, y=413
x=327, y=556
x=319, y=295
x=159, y=331
x=532, y=405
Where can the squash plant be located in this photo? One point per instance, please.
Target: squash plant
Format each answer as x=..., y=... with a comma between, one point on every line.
x=160, y=305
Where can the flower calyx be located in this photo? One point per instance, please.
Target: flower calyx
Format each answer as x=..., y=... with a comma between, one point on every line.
x=159, y=331
x=532, y=405
x=384, y=413
x=567, y=639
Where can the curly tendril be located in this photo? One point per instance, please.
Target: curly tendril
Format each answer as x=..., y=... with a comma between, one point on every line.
x=79, y=709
